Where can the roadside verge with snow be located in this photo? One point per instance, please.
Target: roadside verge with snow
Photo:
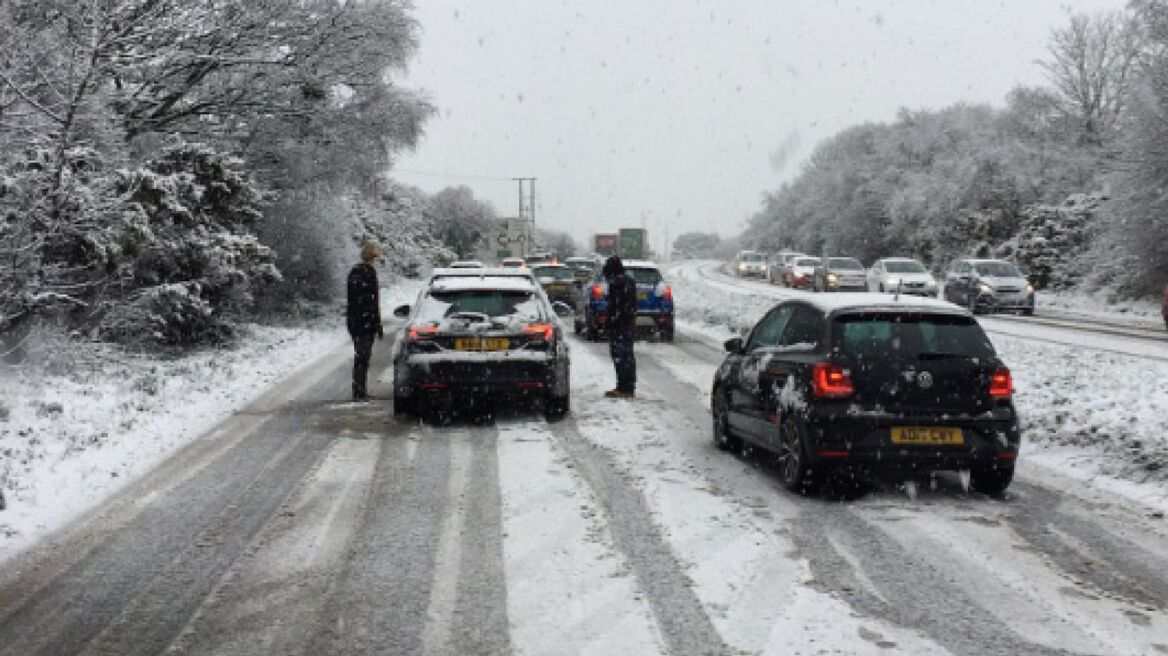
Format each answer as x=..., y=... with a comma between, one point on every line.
x=72, y=438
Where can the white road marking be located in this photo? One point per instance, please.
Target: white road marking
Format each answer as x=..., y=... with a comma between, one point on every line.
x=444, y=588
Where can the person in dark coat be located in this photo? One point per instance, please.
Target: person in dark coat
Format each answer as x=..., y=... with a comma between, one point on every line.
x=363, y=315
x=622, y=321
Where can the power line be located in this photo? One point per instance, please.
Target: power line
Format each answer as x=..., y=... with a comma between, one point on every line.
x=451, y=176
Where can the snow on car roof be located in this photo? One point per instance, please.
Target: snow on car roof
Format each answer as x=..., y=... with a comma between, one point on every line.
x=830, y=303
x=467, y=272
x=640, y=264
x=487, y=282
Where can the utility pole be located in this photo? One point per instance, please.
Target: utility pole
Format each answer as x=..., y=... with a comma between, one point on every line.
x=527, y=206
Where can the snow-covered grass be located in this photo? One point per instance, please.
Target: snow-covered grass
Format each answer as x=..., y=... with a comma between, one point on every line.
x=1088, y=412
x=80, y=422
x=1101, y=307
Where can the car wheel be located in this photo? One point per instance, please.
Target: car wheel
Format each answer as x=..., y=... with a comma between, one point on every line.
x=881, y=288
x=719, y=409
x=667, y=334
x=973, y=303
x=1028, y=312
x=578, y=326
x=794, y=470
x=402, y=405
x=556, y=407
x=992, y=480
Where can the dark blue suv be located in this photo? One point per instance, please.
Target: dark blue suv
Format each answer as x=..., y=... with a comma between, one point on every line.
x=654, y=303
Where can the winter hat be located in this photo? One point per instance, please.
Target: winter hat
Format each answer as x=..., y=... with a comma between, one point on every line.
x=369, y=251
x=613, y=267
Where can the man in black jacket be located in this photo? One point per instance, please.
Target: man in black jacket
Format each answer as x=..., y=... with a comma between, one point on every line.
x=622, y=321
x=363, y=315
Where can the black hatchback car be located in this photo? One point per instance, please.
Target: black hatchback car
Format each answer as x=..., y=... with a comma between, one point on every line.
x=472, y=340
x=869, y=382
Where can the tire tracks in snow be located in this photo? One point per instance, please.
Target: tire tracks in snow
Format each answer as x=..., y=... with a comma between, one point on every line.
x=854, y=557
x=685, y=627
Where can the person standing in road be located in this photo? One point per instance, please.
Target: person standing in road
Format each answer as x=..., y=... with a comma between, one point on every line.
x=363, y=315
x=622, y=320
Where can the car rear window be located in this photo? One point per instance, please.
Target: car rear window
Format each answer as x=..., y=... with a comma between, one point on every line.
x=556, y=272
x=518, y=304
x=910, y=336
x=644, y=276
x=807, y=261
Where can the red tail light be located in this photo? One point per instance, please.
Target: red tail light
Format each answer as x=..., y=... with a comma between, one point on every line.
x=597, y=291
x=423, y=332
x=1001, y=384
x=668, y=293
x=544, y=331
x=830, y=381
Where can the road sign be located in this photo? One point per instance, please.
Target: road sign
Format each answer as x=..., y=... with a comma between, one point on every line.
x=514, y=237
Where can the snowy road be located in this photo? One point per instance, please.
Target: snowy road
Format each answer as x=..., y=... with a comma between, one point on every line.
x=307, y=525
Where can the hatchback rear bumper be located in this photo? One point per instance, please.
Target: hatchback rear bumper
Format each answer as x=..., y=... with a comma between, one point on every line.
x=868, y=441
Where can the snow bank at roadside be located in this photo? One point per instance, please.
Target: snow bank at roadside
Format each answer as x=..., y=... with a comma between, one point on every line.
x=1087, y=414
x=70, y=437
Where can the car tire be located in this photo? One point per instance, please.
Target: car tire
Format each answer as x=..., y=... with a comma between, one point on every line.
x=719, y=413
x=881, y=288
x=667, y=334
x=1028, y=312
x=557, y=407
x=991, y=480
x=577, y=326
x=791, y=455
x=402, y=406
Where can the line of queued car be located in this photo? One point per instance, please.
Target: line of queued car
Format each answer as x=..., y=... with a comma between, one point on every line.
x=981, y=285
x=480, y=334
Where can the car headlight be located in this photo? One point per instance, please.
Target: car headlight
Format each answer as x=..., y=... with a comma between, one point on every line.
x=1029, y=288
x=831, y=277
x=985, y=289
x=894, y=282
x=741, y=267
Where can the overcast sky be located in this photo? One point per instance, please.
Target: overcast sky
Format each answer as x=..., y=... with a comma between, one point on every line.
x=685, y=111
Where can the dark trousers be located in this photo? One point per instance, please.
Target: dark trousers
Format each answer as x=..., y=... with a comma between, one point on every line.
x=620, y=345
x=363, y=350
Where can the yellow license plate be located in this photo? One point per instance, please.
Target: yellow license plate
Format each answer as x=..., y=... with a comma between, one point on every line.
x=481, y=343
x=557, y=288
x=927, y=435
x=642, y=296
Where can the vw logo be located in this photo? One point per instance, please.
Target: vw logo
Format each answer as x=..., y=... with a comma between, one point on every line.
x=925, y=380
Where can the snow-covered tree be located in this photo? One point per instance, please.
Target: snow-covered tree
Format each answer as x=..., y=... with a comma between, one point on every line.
x=193, y=265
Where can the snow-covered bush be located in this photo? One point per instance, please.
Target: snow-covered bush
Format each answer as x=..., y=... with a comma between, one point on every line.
x=194, y=265
x=1052, y=239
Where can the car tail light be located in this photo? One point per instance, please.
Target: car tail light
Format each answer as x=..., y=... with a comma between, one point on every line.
x=597, y=291
x=668, y=293
x=544, y=331
x=1001, y=384
x=830, y=381
x=423, y=332
x=600, y=318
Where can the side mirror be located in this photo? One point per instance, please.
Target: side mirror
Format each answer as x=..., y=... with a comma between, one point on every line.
x=401, y=311
x=562, y=309
x=733, y=345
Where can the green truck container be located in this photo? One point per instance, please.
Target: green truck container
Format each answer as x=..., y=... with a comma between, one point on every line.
x=631, y=243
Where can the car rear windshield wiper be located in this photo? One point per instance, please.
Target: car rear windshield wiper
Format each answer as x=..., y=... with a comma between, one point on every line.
x=943, y=356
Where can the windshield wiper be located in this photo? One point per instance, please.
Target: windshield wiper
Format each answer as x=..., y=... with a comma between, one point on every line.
x=943, y=356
